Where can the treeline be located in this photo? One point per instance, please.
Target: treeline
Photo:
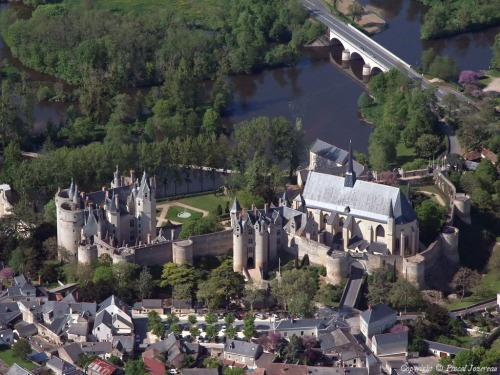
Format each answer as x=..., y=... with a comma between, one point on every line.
x=403, y=113
x=72, y=40
x=258, y=148
x=446, y=17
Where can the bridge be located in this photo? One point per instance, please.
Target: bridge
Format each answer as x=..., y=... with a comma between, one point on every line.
x=352, y=291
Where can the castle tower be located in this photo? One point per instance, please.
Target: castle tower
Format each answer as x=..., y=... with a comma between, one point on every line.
x=350, y=175
x=70, y=220
x=145, y=210
x=116, y=178
x=261, y=246
x=390, y=229
x=239, y=245
x=275, y=233
x=235, y=211
x=113, y=215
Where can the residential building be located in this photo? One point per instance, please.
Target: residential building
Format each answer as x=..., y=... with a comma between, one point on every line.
x=70, y=353
x=390, y=344
x=342, y=346
x=112, y=318
x=300, y=327
x=100, y=367
x=376, y=319
x=6, y=337
x=200, y=371
x=443, y=350
x=26, y=330
x=15, y=369
x=147, y=305
x=242, y=352
x=61, y=367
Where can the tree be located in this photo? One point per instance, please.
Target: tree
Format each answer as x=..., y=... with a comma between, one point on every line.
x=293, y=351
x=382, y=148
x=295, y=291
x=234, y=371
x=466, y=360
x=495, y=60
x=177, y=274
x=249, y=326
x=212, y=362
x=199, y=226
x=465, y=279
x=468, y=77
x=252, y=293
x=125, y=273
x=155, y=324
x=212, y=331
x=194, y=331
x=230, y=332
x=192, y=319
x=211, y=318
x=104, y=260
x=482, y=199
x=378, y=286
x=103, y=275
x=172, y=319
x=135, y=367
x=225, y=282
x=355, y=10
x=427, y=145
x=144, y=284
x=403, y=294
x=21, y=348
x=229, y=318
x=431, y=216
x=85, y=360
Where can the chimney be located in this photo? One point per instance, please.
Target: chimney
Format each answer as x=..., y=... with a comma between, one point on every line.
x=370, y=307
x=149, y=238
x=266, y=207
x=254, y=208
x=152, y=183
x=39, y=279
x=132, y=176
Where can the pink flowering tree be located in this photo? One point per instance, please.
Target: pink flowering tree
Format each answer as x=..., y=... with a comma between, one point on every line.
x=468, y=77
x=7, y=273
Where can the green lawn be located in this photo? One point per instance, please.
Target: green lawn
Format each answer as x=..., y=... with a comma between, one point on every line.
x=433, y=189
x=404, y=154
x=174, y=210
x=208, y=202
x=490, y=283
x=7, y=355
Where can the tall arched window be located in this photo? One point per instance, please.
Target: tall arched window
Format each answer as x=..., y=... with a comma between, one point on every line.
x=380, y=232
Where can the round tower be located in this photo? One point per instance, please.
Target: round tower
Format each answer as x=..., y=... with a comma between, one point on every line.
x=462, y=207
x=449, y=244
x=70, y=221
x=182, y=251
x=239, y=246
x=337, y=267
x=414, y=270
x=261, y=246
x=87, y=254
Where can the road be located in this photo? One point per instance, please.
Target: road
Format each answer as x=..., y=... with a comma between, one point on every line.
x=319, y=11
x=354, y=286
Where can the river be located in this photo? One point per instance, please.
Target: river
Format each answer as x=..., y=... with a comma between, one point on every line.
x=317, y=89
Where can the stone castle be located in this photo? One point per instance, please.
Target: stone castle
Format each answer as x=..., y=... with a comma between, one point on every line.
x=337, y=221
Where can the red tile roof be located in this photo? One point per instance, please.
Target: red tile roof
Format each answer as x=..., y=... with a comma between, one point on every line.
x=98, y=366
x=154, y=366
x=286, y=369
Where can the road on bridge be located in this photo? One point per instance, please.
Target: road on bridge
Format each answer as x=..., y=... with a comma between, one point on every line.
x=319, y=11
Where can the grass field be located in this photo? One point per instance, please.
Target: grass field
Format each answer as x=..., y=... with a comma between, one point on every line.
x=433, y=189
x=203, y=11
x=208, y=202
x=490, y=283
x=174, y=210
x=404, y=154
x=7, y=355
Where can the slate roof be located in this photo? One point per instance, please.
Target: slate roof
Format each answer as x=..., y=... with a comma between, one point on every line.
x=364, y=199
x=62, y=366
x=377, y=312
x=329, y=152
x=123, y=343
x=9, y=311
x=335, y=339
x=15, y=369
x=242, y=348
x=112, y=300
x=391, y=343
x=27, y=330
x=443, y=347
x=288, y=324
x=152, y=303
x=73, y=351
x=97, y=348
x=78, y=329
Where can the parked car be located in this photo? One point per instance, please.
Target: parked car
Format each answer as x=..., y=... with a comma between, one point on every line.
x=186, y=326
x=201, y=339
x=223, y=328
x=238, y=316
x=172, y=371
x=137, y=338
x=202, y=327
x=221, y=315
x=167, y=326
x=260, y=316
x=276, y=316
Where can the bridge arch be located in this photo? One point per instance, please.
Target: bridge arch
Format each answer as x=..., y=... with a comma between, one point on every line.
x=376, y=70
x=334, y=41
x=357, y=265
x=355, y=55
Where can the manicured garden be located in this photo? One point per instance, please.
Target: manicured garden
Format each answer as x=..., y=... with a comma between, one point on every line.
x=7, y=355
x=208, y=202
x=173, y=211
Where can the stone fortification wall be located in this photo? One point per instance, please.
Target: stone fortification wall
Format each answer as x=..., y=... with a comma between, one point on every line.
x=214, y=244
x=182, y=251
x=153, y=254
x=317, y=252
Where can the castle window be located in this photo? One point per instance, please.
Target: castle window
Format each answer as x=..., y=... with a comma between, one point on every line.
x=250, y=240
x=250, y=231
x=380, y=231
x=302, y=333
x=279, y=241
x=146, y=195
x=131, y=223
x=278, y=232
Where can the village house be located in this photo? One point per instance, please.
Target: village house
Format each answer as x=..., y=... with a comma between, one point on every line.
x=242, y=352
x=390, y=344
x=442, y=350
x=112, y=318
x=300, y=327
x=376, y=319
x=147, y=305
x=100, y=367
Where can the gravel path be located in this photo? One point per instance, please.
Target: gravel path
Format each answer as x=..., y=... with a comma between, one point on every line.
x=162, y=217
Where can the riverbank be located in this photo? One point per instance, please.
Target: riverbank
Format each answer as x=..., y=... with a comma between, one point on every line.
x=371, y=22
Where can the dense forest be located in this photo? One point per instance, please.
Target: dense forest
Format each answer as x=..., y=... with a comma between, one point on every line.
x=449, y=17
